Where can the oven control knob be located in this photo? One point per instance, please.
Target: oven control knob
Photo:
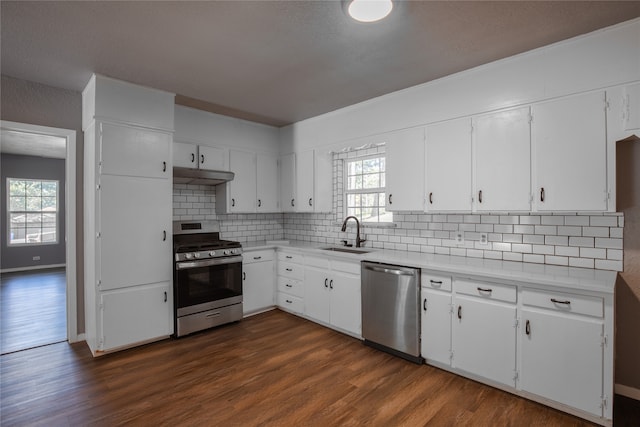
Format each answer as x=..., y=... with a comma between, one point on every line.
x=188, y=256
x=197, y=255
x=227, y=252
x=212, y=253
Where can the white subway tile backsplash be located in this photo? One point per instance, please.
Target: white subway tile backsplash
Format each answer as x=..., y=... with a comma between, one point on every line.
x=581, y=262
x=512, y=256
x=603, y=221
x=581, y=241
x=616, y=232
x=569, y=231
x=570, y=251
x=556, y=260
x=538, y=259
x=593, y=253
x=543, y=249
x=524, y=248
x=595, y=231
x=614, y=254
x=602, y=264
x=608, y=243
x=556, y=240
x=529, y=219
x=552, y=220
x=533, y=238
x=576, y=220
x=548, y=230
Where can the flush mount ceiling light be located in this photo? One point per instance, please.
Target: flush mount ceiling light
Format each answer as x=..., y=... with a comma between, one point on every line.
x=368, y=10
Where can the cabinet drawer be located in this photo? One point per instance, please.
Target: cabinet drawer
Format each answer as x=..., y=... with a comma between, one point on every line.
x=346, y=266
x=293, y=271
x=291, y=303
x=492, y=291
x=257, y=256
x=432, y=281
x=290, y=286
x=312, y=261
x=564, y=302
x=290, y=257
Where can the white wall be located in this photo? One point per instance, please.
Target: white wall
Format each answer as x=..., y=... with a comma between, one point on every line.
x=597, y=60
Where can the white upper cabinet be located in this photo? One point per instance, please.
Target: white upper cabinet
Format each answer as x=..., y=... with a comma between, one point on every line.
x=241, y=191
x=405, y=170
x=306, y=182
x=631, y=107
x=448, y=166
x=502, y=143
x=187, y=155
x=287, y=182
x=569, y=154
x=267, y=183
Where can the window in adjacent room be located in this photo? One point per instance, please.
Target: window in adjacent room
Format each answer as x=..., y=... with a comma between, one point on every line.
x=365, y=195
x=32, y=211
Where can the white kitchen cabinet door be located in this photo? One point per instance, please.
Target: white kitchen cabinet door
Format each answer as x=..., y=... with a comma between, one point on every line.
x=346, y=302
x=316, y=295
x=213, y=158
x=484, y=339
x=130, y=151
x=435, y=345
x=258, y=286
x=267, y=183
x=448, y=166
x=502, y=161
x=569, y=154
x=405, y=170
x=185, y=155
x=631, y=107
x=135, y=315
x=241, y=192
x=304, y=182
x=562, y=359
x=322, y=181
x=134, y=232
x=287, y=182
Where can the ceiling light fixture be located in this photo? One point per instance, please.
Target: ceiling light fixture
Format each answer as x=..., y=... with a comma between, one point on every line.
x=368, y=10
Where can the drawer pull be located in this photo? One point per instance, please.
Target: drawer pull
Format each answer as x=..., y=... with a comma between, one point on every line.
x=489, y=290
x=257, y=257
x=288, y=269
x=437, y=283
x=288, y=285
x=288, y=301
x=288, y=257
x=556, y=301
x=527, y=328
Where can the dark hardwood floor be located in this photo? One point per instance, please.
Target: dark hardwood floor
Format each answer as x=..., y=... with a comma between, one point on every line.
x=33, y=309
x=273, y=369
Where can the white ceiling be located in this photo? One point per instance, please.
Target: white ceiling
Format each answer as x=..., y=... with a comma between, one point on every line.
x=278, y=62
x=32, y=144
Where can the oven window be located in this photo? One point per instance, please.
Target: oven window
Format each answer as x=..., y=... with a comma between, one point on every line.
x=206, y=284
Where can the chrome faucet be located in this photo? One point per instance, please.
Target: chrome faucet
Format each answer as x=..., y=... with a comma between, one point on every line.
x=344, y=228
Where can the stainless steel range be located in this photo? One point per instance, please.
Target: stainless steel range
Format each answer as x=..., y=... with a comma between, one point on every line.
x=207, y=278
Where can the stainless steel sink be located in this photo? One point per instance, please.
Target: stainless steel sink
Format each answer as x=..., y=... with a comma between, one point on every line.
x=347, y=250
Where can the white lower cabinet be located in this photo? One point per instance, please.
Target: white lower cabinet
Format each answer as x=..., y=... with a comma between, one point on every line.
x=290, y=277
x=135, y=315
x=435, y=340
x=562, y=351
x=258, y=281
x=484, y=330
x=332, y=293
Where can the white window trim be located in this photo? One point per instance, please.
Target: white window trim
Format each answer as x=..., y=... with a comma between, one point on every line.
x=346, y=192
x=9, y=212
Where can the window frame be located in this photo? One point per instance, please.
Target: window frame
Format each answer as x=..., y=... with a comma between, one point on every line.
x=9, y=212
x=346, y=192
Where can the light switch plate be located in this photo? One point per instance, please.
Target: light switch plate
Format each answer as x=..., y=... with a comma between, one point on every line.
x=484, y=240
x=460, y=237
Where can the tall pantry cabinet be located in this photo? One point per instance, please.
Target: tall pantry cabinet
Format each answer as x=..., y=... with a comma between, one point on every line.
x=128, y=135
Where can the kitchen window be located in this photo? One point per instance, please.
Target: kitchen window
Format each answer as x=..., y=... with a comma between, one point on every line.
x=365, y=189
x=32, y=211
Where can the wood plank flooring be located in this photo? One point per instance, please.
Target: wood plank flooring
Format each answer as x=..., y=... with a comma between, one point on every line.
x=33, y=309
x=273, y=369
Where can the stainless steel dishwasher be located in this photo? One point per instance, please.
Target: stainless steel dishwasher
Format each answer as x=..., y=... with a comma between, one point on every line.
x=391, y=309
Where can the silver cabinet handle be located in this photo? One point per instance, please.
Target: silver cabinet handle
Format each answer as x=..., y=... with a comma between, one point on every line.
x=216, y=314
x=396, y=271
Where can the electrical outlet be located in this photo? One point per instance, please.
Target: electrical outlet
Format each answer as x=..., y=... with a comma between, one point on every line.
x=36, y=258
x=460, y=237
x=484, y=240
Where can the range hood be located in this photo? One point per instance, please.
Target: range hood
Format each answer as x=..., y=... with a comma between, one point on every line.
x=201, y=176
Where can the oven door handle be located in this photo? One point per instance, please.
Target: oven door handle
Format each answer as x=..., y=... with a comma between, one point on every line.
x=183, y=265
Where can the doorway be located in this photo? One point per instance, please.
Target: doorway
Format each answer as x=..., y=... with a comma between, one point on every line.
x=38, y=274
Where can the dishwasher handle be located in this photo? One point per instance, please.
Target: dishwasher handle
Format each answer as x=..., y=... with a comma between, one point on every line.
x=398, y=271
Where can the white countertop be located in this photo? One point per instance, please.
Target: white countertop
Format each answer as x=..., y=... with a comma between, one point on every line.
x=583, y=279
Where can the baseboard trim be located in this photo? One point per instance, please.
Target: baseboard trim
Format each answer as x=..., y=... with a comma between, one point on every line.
x=627, y=391
x=35, y=267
